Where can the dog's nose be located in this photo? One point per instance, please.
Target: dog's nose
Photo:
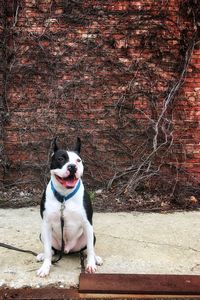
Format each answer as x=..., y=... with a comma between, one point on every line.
x=72, y=168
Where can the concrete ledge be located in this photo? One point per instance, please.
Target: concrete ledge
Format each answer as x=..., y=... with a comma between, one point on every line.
x=129, y=243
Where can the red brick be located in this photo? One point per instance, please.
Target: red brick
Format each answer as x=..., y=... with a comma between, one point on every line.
x=97, y=74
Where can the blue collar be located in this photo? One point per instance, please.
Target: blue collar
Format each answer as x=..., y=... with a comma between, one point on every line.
x=62, y=198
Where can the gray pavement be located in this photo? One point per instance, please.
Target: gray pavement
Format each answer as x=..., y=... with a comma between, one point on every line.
x=135, y=243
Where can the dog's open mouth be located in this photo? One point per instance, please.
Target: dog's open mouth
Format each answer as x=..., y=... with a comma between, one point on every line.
x=68, y=182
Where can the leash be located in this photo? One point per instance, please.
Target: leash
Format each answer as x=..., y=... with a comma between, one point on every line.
x=62, y=223
x=17, y=249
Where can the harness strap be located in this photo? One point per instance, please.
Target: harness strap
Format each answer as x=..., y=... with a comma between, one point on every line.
x=62, y=198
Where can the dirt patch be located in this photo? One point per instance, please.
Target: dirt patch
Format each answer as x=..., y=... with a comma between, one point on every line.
x=16, y=198
x=108, y=200
x=144, y=201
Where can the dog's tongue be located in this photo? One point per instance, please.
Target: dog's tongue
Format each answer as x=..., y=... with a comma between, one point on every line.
x=68, y=183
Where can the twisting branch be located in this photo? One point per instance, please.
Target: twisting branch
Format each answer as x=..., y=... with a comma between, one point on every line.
x=147, y=168
x=174, y=89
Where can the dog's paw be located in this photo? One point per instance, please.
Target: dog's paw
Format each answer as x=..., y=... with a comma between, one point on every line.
x=98, y=261
x=91, y=266
x=40, y=257
x=44, y=270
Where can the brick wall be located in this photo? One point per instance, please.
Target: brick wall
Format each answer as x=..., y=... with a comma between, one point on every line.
x=100, y=70
x=186, y=151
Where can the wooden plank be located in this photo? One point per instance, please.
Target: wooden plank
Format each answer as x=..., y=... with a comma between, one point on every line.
x=137, y=296
x=139, y=284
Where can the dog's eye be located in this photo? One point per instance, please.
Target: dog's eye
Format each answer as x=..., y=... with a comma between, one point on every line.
x=61, y=159
x=78, y=160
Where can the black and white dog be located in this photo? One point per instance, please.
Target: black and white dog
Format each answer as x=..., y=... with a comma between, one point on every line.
x=65, y=195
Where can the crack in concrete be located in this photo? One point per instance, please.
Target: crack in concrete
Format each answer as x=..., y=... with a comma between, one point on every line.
x=196, y=266
x=154, y=243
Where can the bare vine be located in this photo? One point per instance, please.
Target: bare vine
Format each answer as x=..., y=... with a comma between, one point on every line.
x=146, y=168
x=105, y=72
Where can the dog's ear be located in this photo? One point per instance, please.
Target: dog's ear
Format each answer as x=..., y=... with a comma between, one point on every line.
x=78, y=145
x=54, y=145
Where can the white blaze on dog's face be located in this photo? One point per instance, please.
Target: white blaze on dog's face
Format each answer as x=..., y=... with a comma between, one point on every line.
x=67, y=167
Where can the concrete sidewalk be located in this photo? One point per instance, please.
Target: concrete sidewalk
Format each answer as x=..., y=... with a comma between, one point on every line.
x=127, y=242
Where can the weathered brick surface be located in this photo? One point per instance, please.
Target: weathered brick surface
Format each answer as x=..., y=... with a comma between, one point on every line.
x=99, y=70
x=187, y=119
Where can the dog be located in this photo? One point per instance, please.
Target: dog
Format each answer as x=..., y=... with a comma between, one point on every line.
x=65, y=198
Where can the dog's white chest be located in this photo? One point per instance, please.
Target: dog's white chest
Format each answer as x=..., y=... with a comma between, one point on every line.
x=73, y=215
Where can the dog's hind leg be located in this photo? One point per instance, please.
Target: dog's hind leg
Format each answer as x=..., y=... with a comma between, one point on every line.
x=98, y=260
x=40, y=257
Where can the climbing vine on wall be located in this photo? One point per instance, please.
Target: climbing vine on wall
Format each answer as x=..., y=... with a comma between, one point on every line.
x=108, y=71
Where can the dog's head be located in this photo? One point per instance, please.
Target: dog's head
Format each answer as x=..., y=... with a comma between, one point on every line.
x=66, y=166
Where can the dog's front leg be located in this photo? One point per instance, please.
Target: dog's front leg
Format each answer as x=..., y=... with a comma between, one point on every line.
x=91, y=263
x=47, y=241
